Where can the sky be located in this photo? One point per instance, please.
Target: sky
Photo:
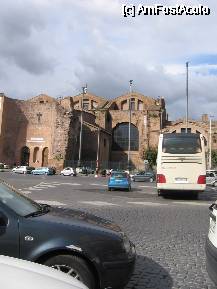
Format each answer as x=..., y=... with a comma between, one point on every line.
x=57, y=46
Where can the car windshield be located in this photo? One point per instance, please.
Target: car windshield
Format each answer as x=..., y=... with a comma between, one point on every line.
x=19, y=203
x=119, y=175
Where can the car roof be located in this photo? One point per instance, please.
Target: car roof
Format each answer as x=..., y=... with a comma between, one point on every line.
x=35, y=276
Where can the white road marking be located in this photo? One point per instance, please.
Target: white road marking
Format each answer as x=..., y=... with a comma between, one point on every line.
x=97, y=203
x=69, y=184
x=46, y=186
x=101, y=185
x=34, y=188
x=147, y=187
x=25, y=192
x=147, y=193
x=147, y=203
x=192, y=203
x=52, y=203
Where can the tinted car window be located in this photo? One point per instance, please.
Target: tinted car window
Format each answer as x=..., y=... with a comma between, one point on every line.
x=119, y=175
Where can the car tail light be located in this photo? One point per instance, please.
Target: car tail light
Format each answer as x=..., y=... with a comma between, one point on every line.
x=161, y=178
x=201, y=180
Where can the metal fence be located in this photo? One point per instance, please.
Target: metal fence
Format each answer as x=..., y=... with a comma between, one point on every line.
x=102, y=165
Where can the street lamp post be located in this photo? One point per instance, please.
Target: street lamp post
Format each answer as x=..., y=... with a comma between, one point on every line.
x=186, y=97
x=129, y=134
x=84, y=91
x=210, y=141
x=161, y=119
x=98, y=150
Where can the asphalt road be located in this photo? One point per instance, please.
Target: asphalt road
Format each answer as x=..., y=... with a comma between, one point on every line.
x=169, y=233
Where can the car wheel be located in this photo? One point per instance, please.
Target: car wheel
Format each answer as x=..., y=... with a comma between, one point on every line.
x=73, y=266
x=215, y=184
x=151, y=180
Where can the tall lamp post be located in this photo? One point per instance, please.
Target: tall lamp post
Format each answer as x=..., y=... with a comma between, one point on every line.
x=84, y=91
x=98, y=151
x=210, y=141
x=186, y=97
x=129, y=134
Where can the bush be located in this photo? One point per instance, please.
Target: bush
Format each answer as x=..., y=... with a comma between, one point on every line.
x=151, y=156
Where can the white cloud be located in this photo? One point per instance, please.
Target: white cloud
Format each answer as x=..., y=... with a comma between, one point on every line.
x=55, y=46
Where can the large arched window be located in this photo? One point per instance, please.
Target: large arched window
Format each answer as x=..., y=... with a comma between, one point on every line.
x=120, y=137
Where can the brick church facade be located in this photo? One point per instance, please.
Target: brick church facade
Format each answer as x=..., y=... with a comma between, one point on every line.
x=45, y=131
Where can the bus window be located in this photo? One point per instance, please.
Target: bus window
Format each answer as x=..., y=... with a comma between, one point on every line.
x=178, y=145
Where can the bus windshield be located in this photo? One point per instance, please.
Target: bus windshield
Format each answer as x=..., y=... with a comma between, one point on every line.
x=181, y=144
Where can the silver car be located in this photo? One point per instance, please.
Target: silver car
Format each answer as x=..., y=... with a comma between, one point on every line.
x=211, y=178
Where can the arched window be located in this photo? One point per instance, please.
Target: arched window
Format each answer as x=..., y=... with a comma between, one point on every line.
x=45, y=157
x=124, y=105
x=120, y=137
x=35, y=154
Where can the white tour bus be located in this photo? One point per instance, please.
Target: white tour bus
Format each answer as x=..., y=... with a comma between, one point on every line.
x=181, y=164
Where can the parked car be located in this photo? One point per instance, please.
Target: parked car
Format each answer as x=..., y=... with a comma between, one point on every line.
x=143, y=176
x=211, y=244
x=84, y=170
x=119, y=180
x=31, y=275
x=23, y=170
x=7, y=166
x=89, y=248
x=43, y=171
x=211, y=178
x=68, y=172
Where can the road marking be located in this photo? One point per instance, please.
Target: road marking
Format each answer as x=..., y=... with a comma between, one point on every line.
x=147, y=187
x=34, y=188
x=192, y=203
x=25, y=192
x=69, y=184
x=52, y=203
x=146, y=193
x=101, y=185
x=97, y=203
x=147, y=203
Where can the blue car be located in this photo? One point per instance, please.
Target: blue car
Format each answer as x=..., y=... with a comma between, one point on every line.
x=43, y=171
x=119, y=180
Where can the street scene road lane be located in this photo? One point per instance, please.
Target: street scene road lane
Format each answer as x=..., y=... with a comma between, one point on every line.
x=169, y=233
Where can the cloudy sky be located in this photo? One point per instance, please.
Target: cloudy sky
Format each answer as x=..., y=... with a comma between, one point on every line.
x=57, y=46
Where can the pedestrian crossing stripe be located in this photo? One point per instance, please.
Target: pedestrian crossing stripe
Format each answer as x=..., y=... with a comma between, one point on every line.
x=98, y=203
x=196, y=203
x=147, y=203
x=51, y=203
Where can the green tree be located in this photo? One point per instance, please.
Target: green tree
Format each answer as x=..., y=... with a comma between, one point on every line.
x=214, y=158
x=151, y=155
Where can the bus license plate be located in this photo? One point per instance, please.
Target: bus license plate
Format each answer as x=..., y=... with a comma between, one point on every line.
x=181, y=180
